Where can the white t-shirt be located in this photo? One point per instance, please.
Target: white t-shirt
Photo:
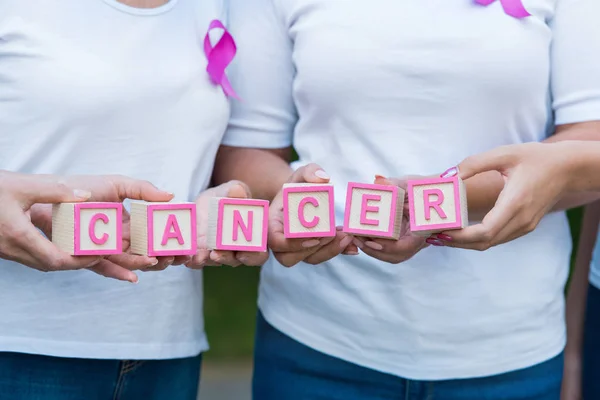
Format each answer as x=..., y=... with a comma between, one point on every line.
x=412, y=87
x=97, y=87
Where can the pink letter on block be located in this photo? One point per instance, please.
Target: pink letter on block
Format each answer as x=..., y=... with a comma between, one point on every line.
x=437, y=204
x=248, y=216
x=171, y=229
x=383, y=219
x=98, y=228
x=308, y=210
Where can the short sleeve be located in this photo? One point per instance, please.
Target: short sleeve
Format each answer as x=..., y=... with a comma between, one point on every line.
x=262, y=74
x=575, y=61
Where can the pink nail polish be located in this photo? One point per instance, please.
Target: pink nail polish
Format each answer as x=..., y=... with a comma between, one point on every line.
x=374, y=245
x=449, y=172
x=321, y=174
x=441, y=236
x=434, y=242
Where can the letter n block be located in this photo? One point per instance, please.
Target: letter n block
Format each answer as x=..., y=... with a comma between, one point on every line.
x=436, y=205
x=163, y=229
x=308, y=210
x=374, y=210
x=82, y=229
x=238, y=224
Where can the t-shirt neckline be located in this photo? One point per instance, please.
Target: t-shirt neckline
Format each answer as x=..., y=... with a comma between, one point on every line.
x=142, y=11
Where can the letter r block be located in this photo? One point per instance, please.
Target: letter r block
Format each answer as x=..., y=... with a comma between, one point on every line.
x=308, y=210
x=374, y=210
x=436, y=205
x=87, y=228
x=163, y=229
x=238, y=224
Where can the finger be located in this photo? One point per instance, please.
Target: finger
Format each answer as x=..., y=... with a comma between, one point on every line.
x=329, y=251
x=234, y=189
x=181, y=260
x=252, y=259
x=280, y=244
x=225, y=258
x=500, y=159
x=111, y=270
x=351, y=250
x=199, y=260
x=163, y=263
x=135, y=189
x=394, y=251
x=311, y=173
x=132, y=261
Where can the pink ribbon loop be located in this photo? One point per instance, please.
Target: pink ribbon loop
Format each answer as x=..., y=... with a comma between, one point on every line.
x=219, y=57
x=514, y=8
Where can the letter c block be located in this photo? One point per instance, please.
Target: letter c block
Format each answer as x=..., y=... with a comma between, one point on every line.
x=82, y=229
x=374, y=210
x=238, y=224
x=308, y=210
x=163, y=229
x=436, y=205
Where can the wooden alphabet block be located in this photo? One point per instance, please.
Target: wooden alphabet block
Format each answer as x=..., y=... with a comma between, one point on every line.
x=436, y=205
x=163, y=229
x=374, y=210
x=88, y=228
x=238, y=224
x=308, y=210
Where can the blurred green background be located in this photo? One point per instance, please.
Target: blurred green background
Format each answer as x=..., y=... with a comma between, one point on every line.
x=230, y=306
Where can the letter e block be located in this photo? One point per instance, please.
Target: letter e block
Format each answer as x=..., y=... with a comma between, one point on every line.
x=308, y=210
x=82, y=229
x=436, y=205
x=163, y=229
x=374, y=210
x=238, y=224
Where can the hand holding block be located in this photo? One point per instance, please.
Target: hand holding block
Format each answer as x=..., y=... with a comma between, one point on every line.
x=87, y=228
x=374, y=210
x=238, y=224
x=163, y=229
x=308, y=210
x=436, y=205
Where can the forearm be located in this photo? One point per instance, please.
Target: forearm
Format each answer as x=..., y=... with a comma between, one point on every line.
x=264, y=171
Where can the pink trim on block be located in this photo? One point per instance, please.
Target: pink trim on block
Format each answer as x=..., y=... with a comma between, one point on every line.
x=243, y=202
x=77, y=228
x=286, y=215
x=180, y=252
x=370, y=186
x=434, y=181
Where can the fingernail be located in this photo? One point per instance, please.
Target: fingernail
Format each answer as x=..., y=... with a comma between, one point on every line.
x=153, y=261
x=311, y=243
x=441, y=236
x=170, y=261
x=351, y=253
x=135, y=280
x=449, y=172
x=82, y=194
x=358, y=243
x=93, y=263
x=434, y=242
x=345, y=242
x=243, y=260
x=339, y=228
x=374, y=245
x=321, y=174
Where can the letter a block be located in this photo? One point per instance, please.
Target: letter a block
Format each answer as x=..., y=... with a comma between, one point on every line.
x=308, y=210
x=436, y=205
x=81, y=229
x=163, y=229
x=374, y=210
x=238, y=224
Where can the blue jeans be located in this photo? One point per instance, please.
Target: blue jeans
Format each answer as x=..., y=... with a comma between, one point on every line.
x=591, y=346
x=286, y=369
x=34, y=377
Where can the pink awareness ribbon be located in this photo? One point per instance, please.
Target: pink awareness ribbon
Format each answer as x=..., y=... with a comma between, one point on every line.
x=219, y=57
x=514, y=8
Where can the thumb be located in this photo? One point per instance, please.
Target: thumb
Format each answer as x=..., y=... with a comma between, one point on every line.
x=135, y=189
x=499, y=159
x=32, y=190
x=233, y=189
x=311, y=173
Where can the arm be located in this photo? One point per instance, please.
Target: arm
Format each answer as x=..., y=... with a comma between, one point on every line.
x=576, y=300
